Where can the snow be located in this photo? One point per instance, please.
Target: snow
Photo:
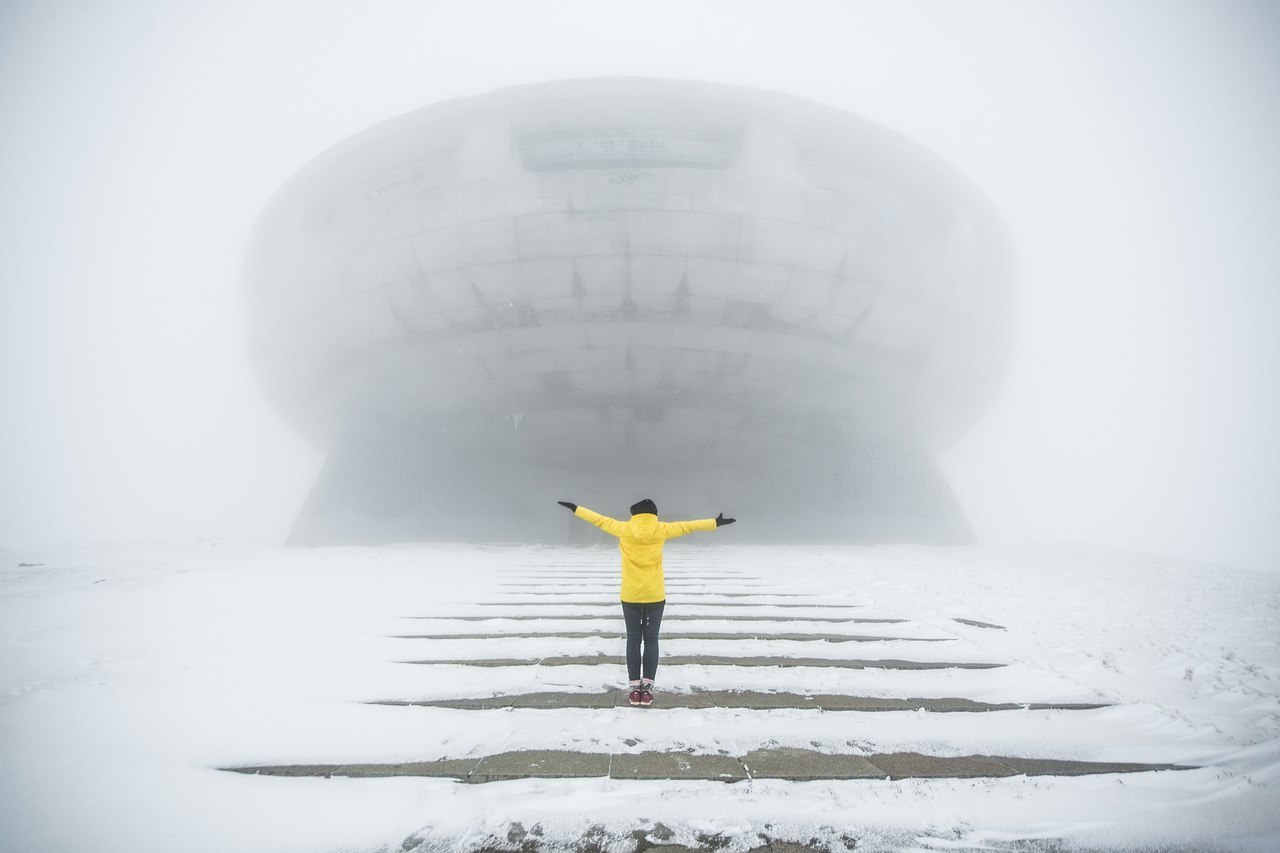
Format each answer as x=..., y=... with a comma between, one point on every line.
x=130, y=674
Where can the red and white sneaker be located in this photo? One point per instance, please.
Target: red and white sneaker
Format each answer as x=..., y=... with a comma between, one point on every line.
x=646, y=695
x=636, y=696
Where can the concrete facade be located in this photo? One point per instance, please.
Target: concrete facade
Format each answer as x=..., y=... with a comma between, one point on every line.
x=601, y=290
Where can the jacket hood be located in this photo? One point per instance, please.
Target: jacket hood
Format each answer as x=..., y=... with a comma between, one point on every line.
x=643, y=524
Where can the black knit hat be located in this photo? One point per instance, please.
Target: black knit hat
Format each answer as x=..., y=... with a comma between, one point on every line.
x=645, y=505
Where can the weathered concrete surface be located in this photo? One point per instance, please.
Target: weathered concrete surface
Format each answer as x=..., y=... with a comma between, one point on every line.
x=540, y=764
x=711, y=660
x=975, y=623
x=563, y=589
x=459, y=768
x=779, y=763
x=677, y=765
x=745, y=700
x=586, y=700
x=446, y=769
x=685, y=572
x=665, y=619
x=686, y=603
x=806, y=765
x=783, y=763
x=681, y=635
x=1058, y=767
x=913, y=765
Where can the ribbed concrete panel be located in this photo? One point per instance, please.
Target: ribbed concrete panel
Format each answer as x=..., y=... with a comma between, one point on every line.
x=436, y=251
x=663, y=276
x=611, y=286
x=791, y=244
x=487, y=242
x=570, y=234
x=683, y=233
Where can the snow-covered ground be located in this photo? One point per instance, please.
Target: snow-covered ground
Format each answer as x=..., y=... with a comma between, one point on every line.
x=130, y=674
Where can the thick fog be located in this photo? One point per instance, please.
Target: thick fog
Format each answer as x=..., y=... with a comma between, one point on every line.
x=1129, y=146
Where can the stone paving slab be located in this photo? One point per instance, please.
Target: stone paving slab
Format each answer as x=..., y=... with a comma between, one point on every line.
x=709, y=660
x=806, y=765
x=449, y=768
x=703, y=573
x=975, y=623
x=746, y=700
x=946, y=704
x=684, y=597
x=591, y=588
x=566, y=575
x=540, y=764
x=611, y=569
x=679, y=635
x=695, y=700
x=1060, y=767
x=300, y=770
x=553, y=700
x=612, y=574
x=677, y=765
x=778, y=763
x=783, y=763
x=607, y=594
x=826, y=638
x=490, y=703
x=913, y=765
x=615, y=604
x=749, y=700
x=766, y=591
x=570, y=617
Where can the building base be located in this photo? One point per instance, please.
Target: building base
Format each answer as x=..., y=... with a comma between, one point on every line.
x=380, y=487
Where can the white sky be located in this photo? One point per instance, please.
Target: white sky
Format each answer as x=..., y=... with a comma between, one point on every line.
x=1131, y=145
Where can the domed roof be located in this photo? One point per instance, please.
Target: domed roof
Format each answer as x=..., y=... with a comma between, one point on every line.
x=655, y=256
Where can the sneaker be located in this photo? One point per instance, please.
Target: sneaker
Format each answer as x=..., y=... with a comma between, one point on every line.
x=646, y=695
x=636, y=696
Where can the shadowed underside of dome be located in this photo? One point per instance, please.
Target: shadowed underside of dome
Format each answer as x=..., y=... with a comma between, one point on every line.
x=598, y=290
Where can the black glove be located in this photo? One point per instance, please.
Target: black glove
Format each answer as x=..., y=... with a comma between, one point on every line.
x=721, y=521
x=568, y=506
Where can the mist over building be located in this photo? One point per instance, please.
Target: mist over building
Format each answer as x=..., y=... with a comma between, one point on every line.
x=606, y=289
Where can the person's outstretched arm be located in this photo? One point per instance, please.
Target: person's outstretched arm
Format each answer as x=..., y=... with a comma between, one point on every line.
x=609, y=525
x=672, y=529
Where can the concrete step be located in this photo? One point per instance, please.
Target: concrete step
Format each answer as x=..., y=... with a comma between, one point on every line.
x=666, y=620
x=613, y=605
x=748, y=700
x=613, y=585
x=709, y=660
x=976, y=624
x=684, y=596
x=680, y=635
x=523, y=572
x=787, y=615
x=779, y=763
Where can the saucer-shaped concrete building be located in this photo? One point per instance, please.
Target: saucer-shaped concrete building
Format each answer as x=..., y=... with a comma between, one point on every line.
x=720, y=298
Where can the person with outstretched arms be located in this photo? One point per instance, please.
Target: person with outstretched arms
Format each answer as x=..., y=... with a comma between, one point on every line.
x=644, y=594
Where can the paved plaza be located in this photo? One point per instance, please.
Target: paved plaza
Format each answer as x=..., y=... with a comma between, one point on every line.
x=530, y=604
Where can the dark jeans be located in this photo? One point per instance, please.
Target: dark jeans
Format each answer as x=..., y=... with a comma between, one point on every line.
x=643, y=622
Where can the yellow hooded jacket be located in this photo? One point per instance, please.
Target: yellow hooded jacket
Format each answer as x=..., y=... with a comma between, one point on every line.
x=640, y=540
